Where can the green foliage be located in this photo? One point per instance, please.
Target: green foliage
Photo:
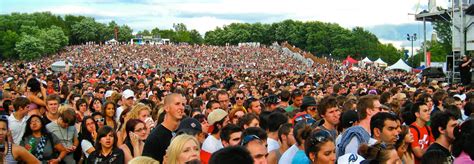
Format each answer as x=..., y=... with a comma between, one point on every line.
x=8, y=40
x=29, y=47
x=316, y=37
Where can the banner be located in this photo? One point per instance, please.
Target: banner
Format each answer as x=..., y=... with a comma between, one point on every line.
x=428, y=59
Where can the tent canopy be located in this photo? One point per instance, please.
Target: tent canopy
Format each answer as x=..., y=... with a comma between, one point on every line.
x=59, y=66
x=366, y=60
x=401, y=65
x=379, y=62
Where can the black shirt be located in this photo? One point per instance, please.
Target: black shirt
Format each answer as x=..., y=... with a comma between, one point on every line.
x=116, y=157
x=447, y=153
x=157, y=143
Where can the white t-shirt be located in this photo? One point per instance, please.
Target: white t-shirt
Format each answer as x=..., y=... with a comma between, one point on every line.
x=212, y=144
x=287, y=156
x=118, y=112
x=86, y=145
x=17, y=127
x=272, y=144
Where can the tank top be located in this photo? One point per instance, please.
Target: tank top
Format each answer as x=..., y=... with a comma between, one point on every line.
x=9, y=159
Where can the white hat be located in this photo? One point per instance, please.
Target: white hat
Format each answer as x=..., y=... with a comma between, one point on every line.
x=350, y=158
x=109, y=93
x=128, y=93
x=462, y=96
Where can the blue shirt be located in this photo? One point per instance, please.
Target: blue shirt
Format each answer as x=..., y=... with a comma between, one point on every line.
x=300, y=158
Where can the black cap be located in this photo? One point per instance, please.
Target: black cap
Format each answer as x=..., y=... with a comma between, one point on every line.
x=189, y=126
x=308, y=101
x=348, y=118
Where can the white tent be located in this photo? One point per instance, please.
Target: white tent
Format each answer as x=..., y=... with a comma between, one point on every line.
x=380, y=63
x=400, y=64
x=59, y=66
x=366, y=60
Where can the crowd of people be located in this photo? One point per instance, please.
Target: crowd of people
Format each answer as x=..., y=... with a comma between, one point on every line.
x=209, y=104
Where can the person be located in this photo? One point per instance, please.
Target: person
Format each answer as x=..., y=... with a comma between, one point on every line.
x=289, y=154
x=95, y=105
x=99, y=119
x=380, y=153
x=355, y=136
x=309, y=106
x=134, y=142
x=42, y=144
x=143, y=160
x=106, y=150
x=443, y=125
x=301, y=137
x=249, y=120
x=139, y=111
x=465, y=70
x=13, y=153
x=230, y=135
x=231, y=155
x=182, y=149
x=434, y=157
x=320, y=147
x=256, y=147
x=403, y=145
x=286, y=138
x=17, y=120
x=108, y=111
x=217, y=119
x=276, y=119
x=384, y=127
x=160, y=138
x=463, y=145
x=421, y=132
x=239, y=100
x=223, y=99
x=81, y=111
x=128, y=100
x=329, y=111
x=63, y=128
x=52, y=106
x=88, y=135
x=297, y=99
x=254, y=106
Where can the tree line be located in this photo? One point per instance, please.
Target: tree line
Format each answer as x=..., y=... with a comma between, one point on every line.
x=30, y=36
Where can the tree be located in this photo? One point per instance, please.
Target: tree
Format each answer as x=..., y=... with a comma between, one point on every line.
x=125, y=33
x=52, y=39
x=29, y=47
x=196, y=38
x=85, y=31
x=7, y=44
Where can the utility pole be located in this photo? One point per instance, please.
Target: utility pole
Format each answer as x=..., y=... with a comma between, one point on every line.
x=412, y=38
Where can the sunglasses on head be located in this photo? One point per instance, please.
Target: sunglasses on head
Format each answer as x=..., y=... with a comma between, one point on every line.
x=319, y=137
x=249, y=138
x=99, y=120
x=307, y=118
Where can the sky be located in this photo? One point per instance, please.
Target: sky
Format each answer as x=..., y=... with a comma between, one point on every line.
x=385, y=18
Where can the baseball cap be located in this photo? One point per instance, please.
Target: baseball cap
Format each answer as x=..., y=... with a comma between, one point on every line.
x=460, y=96
x=189, y=126
x=308, y=101
x=128, y=94
x=216, y=115
x=108, y=93
x=348, y=118
x=350, y=158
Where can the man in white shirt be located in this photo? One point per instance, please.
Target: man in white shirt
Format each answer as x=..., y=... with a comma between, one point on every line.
x=128, y=100
x=17, y=120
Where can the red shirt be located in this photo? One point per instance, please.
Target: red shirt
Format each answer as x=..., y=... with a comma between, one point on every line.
x=425, y=139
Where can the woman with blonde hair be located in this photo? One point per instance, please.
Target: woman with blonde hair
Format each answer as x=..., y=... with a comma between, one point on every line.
x=182, y=149
x=143, y=160
x=139, y=111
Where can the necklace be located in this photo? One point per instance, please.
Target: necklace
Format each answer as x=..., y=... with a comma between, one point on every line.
x=64, y=139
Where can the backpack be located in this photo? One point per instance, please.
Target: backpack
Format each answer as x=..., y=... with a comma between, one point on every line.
x=418, y=131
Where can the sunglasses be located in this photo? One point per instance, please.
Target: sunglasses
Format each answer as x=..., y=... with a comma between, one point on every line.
x=99, y=120
x=319, y=137
x=307, y=118
x=239, y=98
x=249, y=138
x=101, y=92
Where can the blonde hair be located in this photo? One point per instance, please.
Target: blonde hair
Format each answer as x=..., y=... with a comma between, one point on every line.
x=176, y=147
x=143, y=160
x=136, y=109
x=62, y=108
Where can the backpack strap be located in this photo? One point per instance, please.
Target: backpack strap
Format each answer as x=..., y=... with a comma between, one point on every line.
x=416, y=129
